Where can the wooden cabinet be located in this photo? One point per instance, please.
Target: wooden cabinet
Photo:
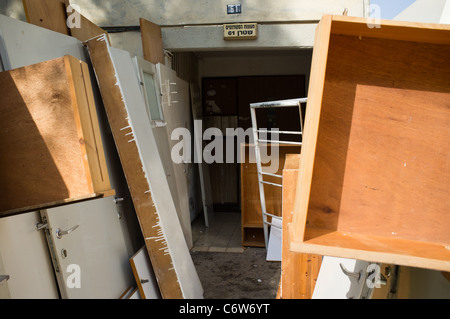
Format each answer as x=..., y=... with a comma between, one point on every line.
x=51, y=146
x=252, y=223
x=374, y=174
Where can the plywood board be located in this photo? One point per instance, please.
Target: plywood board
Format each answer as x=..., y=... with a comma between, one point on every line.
x=299, y=272
x=87, y=30
x=373, y=174
x=49, y=14
x=53, y=15
x=125, y=108
x=152, y=44
x=50, y=131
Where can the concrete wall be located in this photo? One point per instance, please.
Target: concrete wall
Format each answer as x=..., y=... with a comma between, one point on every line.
x=193, y=25
x=187, y=12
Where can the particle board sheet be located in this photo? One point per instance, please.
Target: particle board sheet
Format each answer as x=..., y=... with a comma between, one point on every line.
x=52, y=152
x=374, y=174
x=173, y=266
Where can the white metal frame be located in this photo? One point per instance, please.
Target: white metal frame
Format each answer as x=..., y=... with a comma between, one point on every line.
x=261, y=173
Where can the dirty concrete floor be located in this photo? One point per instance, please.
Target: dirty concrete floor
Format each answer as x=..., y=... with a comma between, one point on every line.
x=245, y=275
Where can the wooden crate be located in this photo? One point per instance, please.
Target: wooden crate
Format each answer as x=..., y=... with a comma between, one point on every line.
x=374, y=175
x=251, y=216
x=51, y=146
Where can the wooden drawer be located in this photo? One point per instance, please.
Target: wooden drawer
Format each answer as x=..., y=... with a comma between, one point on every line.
x=52, y=151
x=374, y=176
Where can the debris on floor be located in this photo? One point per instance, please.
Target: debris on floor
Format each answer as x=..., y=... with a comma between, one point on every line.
x=245, y=275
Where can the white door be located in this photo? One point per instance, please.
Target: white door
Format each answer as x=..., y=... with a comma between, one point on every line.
x=341, y=278
x=4, y=289
x=88, y=249
x=26, y=258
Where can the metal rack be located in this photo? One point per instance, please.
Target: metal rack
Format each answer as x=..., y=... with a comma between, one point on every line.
x=257, y=140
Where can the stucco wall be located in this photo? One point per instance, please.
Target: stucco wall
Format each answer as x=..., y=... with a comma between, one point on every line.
x=193, y=25
x=186, y=12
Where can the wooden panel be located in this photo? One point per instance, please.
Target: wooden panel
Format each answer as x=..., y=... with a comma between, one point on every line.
x=82, y=91
x=392, y=30
x=299, y=271
x=250, y=199
x=52, y=15
x=144, y=171
x=152, y=42
x=380, y=156
x=87, y=30
x=53, y=152
x=49, y=14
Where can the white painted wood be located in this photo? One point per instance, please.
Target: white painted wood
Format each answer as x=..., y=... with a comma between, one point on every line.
x=274, y=247
x=205, y=181
x=161, y=138
x=23, y=44
x=332, y=283
x=153, y=169
x=26, y=258
x=175, y=173
x=144, y=275
x=4, y=288
x=96, y=246
x=177, y=114
x=135, y=295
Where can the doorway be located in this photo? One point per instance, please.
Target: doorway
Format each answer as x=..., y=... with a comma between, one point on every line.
x=226, y=104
